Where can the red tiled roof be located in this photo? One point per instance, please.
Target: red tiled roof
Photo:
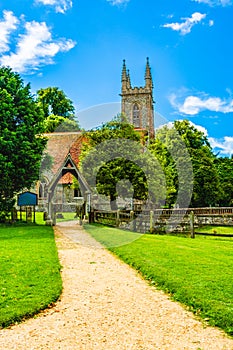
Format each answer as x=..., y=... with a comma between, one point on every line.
x=60, y=144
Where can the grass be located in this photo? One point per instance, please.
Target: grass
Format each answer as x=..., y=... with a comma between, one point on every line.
x=67, y=217
x=216, y=229
x=196, y=272
x=40, y=219
x=29, y=269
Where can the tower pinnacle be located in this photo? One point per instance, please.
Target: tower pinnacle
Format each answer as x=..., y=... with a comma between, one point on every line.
x=148, y=76
x=124, y=77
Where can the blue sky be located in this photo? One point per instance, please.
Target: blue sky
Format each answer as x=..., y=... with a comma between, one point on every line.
x=79, y=46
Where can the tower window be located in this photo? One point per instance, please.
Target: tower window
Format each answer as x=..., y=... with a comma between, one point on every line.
x=136, y=116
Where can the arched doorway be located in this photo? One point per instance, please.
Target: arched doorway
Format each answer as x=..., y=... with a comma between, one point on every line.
x=68, y=171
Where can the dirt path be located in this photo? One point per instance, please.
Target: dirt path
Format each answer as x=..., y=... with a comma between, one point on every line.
x=106, y=305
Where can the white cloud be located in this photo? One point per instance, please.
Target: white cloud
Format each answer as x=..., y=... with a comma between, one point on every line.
x=224, y=146
x=35, y=48
x=193, y=105
x=200, y=128
x=215, y=2
x=118, y=2
x=7, y=25
x=61, y=6
x=211, y=22
x=186, y=26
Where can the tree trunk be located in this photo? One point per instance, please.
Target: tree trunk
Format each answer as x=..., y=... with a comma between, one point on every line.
x=113, y=203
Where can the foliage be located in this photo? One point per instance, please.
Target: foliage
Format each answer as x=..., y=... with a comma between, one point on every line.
x=224, y=167
x=191, y=271
x=21, y=146
x=206, y=182
x=114, y=160
x=58, y=110
x=175, y=152
x=30, y=271
x=170, y=150
x=60, y=124
x=54, y=101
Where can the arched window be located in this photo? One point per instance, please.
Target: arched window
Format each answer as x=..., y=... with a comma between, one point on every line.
x=136, y=116
x=43, y=188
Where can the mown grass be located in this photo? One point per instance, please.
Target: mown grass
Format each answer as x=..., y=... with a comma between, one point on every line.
x=67, y=217
x=40, y=217
x=216, y=229
x=29, y=270
x=196, y=272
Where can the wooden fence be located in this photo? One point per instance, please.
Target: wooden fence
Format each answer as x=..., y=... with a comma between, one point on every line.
x=167, y=220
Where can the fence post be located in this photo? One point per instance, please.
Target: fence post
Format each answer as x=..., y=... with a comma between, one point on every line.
x=118, y=218
x=131, y=220
x=151, y=221
x=192, y=224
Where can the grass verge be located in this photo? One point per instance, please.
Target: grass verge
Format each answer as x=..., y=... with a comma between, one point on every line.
x=216, y=229
x=196, y=272
x=30, y=271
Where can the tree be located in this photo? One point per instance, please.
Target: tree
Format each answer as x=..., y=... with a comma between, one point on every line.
x=224, y=168
x=170, y=150
x=58, y=110
x=114, y=157
x=54, y=101
x=60, y=124
x=205, y=177
x=21, y=143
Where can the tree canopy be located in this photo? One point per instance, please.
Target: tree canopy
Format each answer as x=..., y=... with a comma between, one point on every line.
x=224, y=168
x=113, y=158
x=59, y=111
x=21, y=143
x=170, y=151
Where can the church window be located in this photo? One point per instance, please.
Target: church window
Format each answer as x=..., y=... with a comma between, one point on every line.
x=136, y=116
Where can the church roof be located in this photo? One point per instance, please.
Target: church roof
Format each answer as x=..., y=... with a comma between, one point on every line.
x=60, y=144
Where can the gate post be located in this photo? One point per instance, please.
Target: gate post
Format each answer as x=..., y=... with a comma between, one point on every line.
x=151, y=221
x=192, y=224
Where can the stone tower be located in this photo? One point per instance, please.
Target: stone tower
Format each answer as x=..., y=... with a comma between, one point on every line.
x=137, y=102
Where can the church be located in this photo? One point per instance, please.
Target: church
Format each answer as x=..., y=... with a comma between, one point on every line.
x=137, y=102
x=57, y=184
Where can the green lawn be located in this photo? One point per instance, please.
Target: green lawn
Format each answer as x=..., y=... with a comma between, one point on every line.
x=67, y=217
x=29, y=270
x=216, y=229
x=197, y=272
x=40, y=219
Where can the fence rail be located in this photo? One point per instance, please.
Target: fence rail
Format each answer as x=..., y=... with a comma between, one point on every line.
x=177, y=219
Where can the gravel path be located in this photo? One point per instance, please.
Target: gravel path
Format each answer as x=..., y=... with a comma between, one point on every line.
x=106, y=305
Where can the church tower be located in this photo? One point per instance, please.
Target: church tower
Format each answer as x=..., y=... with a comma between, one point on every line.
x=137, y=102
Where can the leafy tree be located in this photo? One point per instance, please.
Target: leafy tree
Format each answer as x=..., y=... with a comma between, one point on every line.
x=170, y=150
x=58, y=123
x=224, y=167
x=21, y=146
x=58, y=110
x=54, y=101
x=113, y=155
x=206, y=189
x=205, y=177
